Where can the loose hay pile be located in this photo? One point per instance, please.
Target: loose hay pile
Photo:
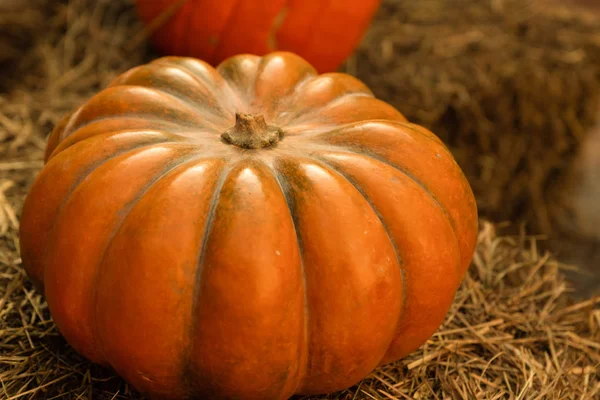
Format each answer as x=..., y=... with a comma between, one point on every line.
x=512, y=332
x=511, y=85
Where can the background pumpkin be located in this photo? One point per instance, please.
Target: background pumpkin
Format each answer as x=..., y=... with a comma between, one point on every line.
x=250, y=231
x=324, y=32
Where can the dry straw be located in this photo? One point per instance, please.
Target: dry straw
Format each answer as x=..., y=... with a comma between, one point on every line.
x=512, y=332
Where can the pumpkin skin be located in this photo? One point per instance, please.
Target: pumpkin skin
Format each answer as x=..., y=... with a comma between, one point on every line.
x=324, y=32
x=202, y=252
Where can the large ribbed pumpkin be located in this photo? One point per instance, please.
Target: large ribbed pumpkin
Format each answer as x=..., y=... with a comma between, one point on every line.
x=245, y=232
x=324, y=32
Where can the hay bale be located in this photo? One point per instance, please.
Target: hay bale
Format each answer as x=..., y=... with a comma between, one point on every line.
x=511, y=86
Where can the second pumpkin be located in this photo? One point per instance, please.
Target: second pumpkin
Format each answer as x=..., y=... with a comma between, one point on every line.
x=324, y=32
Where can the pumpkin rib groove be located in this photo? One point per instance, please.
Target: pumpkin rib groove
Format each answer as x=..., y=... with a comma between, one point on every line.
x=173, y=64
x=231, y=75
x=284, y=186
x=330, y=103
x=188, y=371
x=84, y=174
x=150, y=118
x=205, y=111
x=192, y=106
x=292, y=131
x=304, y=81
x=298, y=86
x=182, y=96
x=89, y=170
x=328, y=166
x=406, y=316
x=414, y=129
x=405, y=124
x=370, y=154
x=172, y=102
x=169, y=168
x=64, y=145
x=387, y=123
x=278, y=100
x=289, y=98
x=196, y=77
x=360, y=87
x=54, y=138
x=260, y=69
x=176, y=125
x=373, y=104
x=330, y=75
x=326, y=130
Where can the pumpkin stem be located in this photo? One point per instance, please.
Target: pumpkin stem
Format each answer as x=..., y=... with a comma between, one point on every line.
x=252, y=132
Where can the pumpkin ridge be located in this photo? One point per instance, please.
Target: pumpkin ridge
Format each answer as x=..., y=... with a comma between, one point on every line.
x=109, y=118
x=54, y=138
x=299, y=85
x=370, y=154
x=260, y=68
x=90, y=169
x=188, y=372
x=354, y=108
x=316, y=132
x=192, y=106
x=273, y=90
x=67, y=143
x=205, y=107
x=289, y=199
x=196, y=77
x=342, y=162
x=350, y=86
x=107, y=136
x=82, y=175
x=295, y=92
x=188, y=113
x=299, y=118
x=298, y=172
x=414, y=128
x=327, y=130
x=360, y=190
x=217, y=108
x=237, y=79
x=171, y=167
x=394, y=123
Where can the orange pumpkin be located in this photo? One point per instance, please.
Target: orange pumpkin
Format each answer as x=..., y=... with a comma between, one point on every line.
x=250, y=231
x=324, y=32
